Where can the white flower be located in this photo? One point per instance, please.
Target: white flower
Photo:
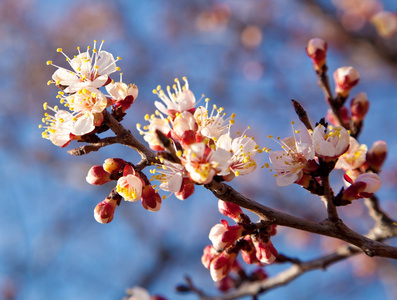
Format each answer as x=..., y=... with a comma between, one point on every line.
x=354, y=157
x=89, y=69
x=87, y=105
x=58, y=127
x=330, y=142
x=119, y=90
x=170, y=175
x=213, y=125
x=149, y=132
x=180, y=100
x=203, y=163
x=242, y=148
x=130, y=187
x=290, y=162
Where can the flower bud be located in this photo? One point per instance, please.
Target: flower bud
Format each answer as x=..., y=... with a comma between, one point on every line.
x=248, y=252
x=317, y=50
x=359, y=107
x=230, y=210
x=385, y=23
x=376, y=155
x=186, y=190
x=151, y=200
x=104, y=211
x=114, y=165
x=223, y=235
x=209, y=254
x=345, y=79
x=265, y=251
x=97, y=176
x=184, y=128
x=363, y=187
x=221, y=265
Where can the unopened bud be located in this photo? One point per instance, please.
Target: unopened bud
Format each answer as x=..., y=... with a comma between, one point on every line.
x=345, y=79
x=223, y=235
x=230, y=210
x=104, y=211
x=114, y=165
x=151, y=200
x=265, y=251
x=376, y=155
x=187, y=189
x=317, y=50
x=359, y=107
x=97, y=175
x=221, y=265
x=363, y=187
x=385, y=23
x=209, y=254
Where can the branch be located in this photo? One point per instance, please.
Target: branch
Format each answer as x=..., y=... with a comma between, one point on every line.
x=332, y=229
x=94, y=146
x=126, y=138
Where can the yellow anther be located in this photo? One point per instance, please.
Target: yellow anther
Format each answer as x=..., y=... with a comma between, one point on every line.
x=270, y=136
x=49, y=82
x=45, y=105
x=59, y=50
x=147, y=117
x=118, y=68
x=237, y=173
x=118, y=58
x=49, y=62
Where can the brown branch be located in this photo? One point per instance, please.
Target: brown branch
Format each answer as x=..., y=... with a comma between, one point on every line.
x=94, y=146
x=127, y=138
x=332, y=229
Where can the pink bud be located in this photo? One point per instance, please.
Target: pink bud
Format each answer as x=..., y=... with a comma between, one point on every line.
x=125, y=103
x=317, y=50
x=209, y=254
x=230, y=210
x=223, y=235
x=345, y=79
x=363, y=187
x=248, y=252
x=151, y=200
x=114, y=165
x=265, y=251
x=376, y=155
x=187, y=189
x=221, y=265
x=359, y=107
x=104, y=211
x=97, y=176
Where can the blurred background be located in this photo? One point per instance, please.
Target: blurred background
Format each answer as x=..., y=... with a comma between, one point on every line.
x=248, y=56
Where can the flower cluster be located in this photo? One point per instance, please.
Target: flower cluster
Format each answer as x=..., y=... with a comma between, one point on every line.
x=80, y=94
x=131, y=186
x=199, y=139
x=253, y=240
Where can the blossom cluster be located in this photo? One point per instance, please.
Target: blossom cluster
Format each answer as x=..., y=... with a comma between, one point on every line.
x=312, y=153
x=227, y=241
x=132, y=186
x=81, y=96
x=200, y=140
